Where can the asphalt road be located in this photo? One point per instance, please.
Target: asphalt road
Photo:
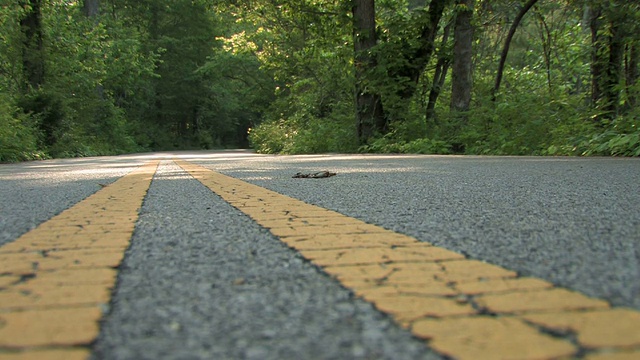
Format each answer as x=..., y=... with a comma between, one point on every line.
x=202, y=280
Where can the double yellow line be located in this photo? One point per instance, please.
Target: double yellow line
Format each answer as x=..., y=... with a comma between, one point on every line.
x=57, y=279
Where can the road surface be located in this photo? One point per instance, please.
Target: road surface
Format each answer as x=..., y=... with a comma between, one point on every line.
x=179, y=256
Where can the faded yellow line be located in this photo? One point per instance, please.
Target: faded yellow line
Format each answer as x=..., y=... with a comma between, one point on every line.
x=56, y=280
x=463, y=308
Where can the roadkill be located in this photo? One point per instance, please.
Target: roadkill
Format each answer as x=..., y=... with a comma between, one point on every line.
x=314, y=175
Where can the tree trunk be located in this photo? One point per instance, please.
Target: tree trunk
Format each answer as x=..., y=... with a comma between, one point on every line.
x=416, y=58
x=614, y=70
x=631, y=74
x=33, y=47
x=597, y=50
x=461, y=79
x=547, y=42
x=419, y=60
x=91, y=8
x=442, y=67
x=609, y=35
x=507, y=44
x=370, y=117
x=428, y=37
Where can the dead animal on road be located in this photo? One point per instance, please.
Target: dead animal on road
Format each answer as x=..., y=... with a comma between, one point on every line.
x=314, y=175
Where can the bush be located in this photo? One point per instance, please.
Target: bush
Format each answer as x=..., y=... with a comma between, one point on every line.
x=314, y=136
x=18, y=135
x=92, y=126
x=271, y=137
x=47, y=111
x=388, y=144
x=301, y=124
x=621, y=137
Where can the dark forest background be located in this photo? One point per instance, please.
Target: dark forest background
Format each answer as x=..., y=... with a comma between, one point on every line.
x=534, y=77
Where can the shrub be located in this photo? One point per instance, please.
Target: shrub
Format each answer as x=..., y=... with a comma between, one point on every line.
x=18, y=134
x=388, y=144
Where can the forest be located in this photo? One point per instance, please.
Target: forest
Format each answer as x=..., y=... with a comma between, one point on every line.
x=493, y=77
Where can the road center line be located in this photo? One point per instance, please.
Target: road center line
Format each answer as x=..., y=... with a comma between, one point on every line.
x=56, y=279
x=463, y=308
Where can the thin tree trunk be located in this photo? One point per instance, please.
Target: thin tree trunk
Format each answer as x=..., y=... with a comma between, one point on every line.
x=545, y=37
x=33, y=45
x=417, y=58
x=507, y=44
x=631, y=74
x=442, y=67
x=428, y=37
x=461, y=77
x=597, y=50
x=370, y=117
x=91, y=9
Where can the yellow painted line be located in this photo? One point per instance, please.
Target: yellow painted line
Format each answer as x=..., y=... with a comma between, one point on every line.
x=463, y=308
x=56, y=279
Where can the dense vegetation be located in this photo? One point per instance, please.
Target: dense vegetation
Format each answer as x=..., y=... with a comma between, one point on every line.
x=540, y=77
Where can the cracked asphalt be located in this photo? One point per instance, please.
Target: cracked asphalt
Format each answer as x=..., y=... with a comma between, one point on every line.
x=201, y=280
x=572, y=221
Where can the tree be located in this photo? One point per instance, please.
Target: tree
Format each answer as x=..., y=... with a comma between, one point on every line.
x=91, y=8
x=33, y=45
x=398, y=58
x=461, y=72
x=89, y=77
x=440, y=74
x=417, y=55
x=370, y=117
x=613, y=26
x=183, y=33
x=632, y=59
x=426, y=45
x=507, y=43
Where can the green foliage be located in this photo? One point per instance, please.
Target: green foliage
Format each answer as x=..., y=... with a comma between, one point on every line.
x=107, y=134
x=272, y=137
x=307, y=134
x=542, y=109
x=388, y=144
x=18, y=134
x=190, y=74
x=10, y=55
x=409, y=137
x=305, y=47
x=47, y=113
x=95, y=68
x=239, y=91
x=130, y=78
x=620, y=138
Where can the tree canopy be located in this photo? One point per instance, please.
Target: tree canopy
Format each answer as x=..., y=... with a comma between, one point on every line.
x=529, y=77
